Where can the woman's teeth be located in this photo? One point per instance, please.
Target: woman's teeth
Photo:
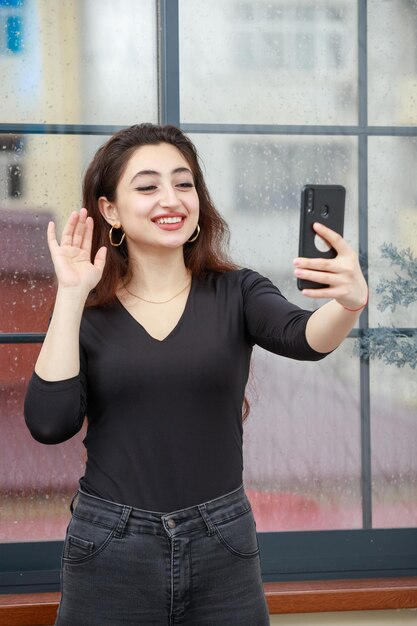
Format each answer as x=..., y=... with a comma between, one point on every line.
x=169, y=220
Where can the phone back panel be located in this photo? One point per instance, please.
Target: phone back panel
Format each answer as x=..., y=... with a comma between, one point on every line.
x=325, y=204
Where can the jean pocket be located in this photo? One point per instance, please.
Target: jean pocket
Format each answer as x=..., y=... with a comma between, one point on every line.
x=84, y=540
x=238, y=535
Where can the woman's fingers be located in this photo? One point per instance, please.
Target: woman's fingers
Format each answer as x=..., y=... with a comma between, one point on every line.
x=326, y=278
x=334, y=239
x=79, y=229
x=100, y=260
x=325, y=292
x=76, y=239
x=342, y=274
x=316, y=263
x=340, y=278
x=72, y=259
x=344, y=251
x=87, y=235
x=68, y=230
x=51, y=238
x=73, y=231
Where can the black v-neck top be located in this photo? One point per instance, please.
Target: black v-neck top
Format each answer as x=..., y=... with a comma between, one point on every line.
x=165, y=417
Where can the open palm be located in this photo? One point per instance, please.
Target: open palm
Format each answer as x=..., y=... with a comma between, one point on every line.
x=72, y=258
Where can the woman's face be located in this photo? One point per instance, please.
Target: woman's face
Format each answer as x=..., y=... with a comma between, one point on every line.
x=156, y=200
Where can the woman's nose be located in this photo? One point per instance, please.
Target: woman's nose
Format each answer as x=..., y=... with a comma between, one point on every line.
x=169, y=198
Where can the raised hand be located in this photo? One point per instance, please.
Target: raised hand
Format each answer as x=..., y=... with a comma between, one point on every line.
x=343, y=274
x=72, y=258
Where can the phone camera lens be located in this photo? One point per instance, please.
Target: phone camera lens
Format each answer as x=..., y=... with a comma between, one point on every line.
x=310, y=196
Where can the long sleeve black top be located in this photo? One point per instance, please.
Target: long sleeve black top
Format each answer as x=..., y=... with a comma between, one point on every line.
x=165, y=417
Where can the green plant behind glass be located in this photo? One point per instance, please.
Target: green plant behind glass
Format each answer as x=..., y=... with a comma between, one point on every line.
x=389, y=344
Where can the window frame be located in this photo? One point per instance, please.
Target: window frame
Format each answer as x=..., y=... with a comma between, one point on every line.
x=285, y=556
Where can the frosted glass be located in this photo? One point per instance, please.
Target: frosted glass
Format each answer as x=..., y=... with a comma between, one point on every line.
x=36, y=481
x=81, y=62
x=392, y=219
x=392, y=66
x=268, y=62
x=394, y=436
x=302, y=442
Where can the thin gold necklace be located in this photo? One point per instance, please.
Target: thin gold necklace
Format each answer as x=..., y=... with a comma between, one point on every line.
x=159, y=301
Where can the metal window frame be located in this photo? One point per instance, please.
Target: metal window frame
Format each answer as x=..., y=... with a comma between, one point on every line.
x=365, y=552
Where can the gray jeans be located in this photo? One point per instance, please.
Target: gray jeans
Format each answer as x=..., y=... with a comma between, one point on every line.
x=196, y=567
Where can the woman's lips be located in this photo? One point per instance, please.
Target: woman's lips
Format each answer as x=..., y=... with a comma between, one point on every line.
x=169, y=222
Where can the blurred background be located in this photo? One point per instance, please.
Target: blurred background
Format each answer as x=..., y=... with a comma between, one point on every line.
x=275, y=94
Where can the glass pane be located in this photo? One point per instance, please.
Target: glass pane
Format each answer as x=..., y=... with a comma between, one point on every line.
x=36, y=481
x=79, y=61
x=392, y=221
x=40, y=179
x=302, y=442
x=256, y=184
x=275, y=62
x=394, y=436
x=392, y=62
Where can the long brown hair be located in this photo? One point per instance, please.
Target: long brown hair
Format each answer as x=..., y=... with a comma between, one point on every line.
x=207, y=253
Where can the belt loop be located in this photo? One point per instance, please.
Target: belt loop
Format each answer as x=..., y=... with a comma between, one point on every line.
x=122, y=521
x=210, y=528
x=73, y=503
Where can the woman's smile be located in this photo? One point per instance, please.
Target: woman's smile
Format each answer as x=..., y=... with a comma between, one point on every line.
x=169, y=221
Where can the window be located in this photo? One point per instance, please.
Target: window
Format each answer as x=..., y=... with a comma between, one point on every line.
x=308, y=92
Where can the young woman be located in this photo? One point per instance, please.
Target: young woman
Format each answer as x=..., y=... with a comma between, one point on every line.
x=151, y=338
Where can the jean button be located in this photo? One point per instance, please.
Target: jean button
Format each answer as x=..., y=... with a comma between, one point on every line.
x=171, y=523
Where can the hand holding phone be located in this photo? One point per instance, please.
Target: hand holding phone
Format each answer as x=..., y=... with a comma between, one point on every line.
x=324, y=204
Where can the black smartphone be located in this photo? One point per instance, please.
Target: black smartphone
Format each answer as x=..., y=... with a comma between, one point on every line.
x=325, y=204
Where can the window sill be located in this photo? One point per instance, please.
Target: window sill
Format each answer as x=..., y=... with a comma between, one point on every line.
x=320, y=596
x=39, y=609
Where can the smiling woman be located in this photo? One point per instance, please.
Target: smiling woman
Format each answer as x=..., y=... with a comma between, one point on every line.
x=158, y=333
x=165, y=199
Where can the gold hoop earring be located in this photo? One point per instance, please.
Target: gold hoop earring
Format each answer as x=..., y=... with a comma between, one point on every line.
x=116, y=245
x=195, y=237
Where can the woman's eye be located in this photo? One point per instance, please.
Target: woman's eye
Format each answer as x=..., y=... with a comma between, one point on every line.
x=186, y=185
x=148, y=188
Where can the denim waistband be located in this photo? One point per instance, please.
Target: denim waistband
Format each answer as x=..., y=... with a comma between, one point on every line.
x=127, y=519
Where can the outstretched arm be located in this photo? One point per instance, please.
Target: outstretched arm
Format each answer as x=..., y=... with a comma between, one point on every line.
x=332, y=322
